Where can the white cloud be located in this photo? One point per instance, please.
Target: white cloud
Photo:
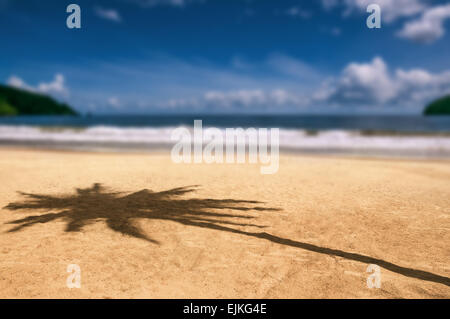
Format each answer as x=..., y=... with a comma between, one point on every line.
x=108, y=14
x=429, y=27
x=372, y=84
x=391, y=9
x=420, y=86
x=17, y=82
x=426, y=28
x=238, y=100
x=276, y=83
x=55, y=87
x=280, y=97
x=359, y=83
x=244, y=98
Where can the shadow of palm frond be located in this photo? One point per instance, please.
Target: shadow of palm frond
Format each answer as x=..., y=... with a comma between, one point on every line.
x=120, y=212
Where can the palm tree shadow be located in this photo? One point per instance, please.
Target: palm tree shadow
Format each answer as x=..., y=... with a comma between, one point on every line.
x=121, y=210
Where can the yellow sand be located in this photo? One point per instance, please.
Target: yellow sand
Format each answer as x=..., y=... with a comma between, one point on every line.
x=318, y=225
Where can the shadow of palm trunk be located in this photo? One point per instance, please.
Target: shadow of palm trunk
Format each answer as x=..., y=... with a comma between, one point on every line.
x=408, y=272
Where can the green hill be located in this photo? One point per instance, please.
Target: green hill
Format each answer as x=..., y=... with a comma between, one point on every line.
x=20, y=102
x=6, y=109
x=439, y=107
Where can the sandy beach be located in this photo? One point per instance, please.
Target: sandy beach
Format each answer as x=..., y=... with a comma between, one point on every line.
x=140, y=226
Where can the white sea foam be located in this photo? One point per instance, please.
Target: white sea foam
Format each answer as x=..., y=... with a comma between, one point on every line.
x=292, y=139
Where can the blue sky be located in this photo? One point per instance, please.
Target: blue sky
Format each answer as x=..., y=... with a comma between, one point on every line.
x=229, y=56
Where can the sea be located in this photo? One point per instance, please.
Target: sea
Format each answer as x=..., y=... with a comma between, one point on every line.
x=412, y=136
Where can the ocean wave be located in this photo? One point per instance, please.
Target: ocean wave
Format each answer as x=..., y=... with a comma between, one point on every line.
x=290, y=139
